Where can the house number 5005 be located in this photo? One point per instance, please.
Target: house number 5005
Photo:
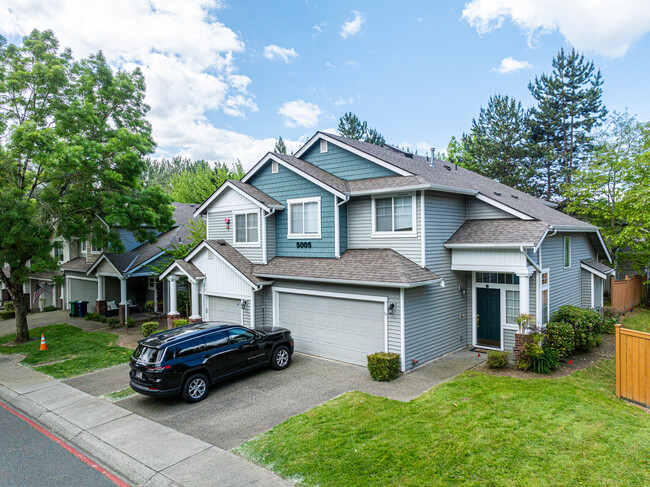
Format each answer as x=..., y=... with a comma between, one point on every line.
x=303, y=245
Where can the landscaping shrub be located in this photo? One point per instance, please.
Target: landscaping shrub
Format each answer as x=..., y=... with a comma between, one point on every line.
x=383, y=366
x=611, y=312
x=130, y=322
x=49, y=308
x=497, y=359
x=10, y=306
x=179, y=322
x=609, y=323
x=560, y=338
x=544, y=362
x=586, y=325
x=95, y=317
x=149, y=306
x=149, y=328
x=113, y=322
x=7, y=315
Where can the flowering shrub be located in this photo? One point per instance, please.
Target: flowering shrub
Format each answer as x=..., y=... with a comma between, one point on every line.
x=537, y=355
x=560, y=338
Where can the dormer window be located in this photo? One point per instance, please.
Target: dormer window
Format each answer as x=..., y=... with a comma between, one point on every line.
x=274, y=167
x=394, y=216
x=323, y=146
x=304, y=218
x=246, y=228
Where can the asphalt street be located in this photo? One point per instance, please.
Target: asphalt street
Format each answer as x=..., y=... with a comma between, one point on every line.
x=29, y=458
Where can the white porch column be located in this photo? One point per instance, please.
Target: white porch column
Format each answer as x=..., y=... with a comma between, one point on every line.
x=64, y=305
x=172, y=295
x=101, y=286
x=123, y=308
x=196, y=313
x=155, y=295
x=524, y=294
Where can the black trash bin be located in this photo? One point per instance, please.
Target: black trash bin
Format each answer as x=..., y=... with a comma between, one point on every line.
x=74, y=308
x=82, y=308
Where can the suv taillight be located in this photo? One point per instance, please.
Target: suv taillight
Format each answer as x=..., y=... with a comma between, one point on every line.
x=157, y=369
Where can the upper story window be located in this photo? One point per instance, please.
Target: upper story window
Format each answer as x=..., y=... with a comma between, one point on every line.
x=567, y=252
x=323, y=146
x=95, y=250
x=83, y=247
x=394, y=215
x=304, y=218
x=246, y=230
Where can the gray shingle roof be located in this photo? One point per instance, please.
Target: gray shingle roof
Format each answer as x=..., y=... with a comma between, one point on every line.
x=446, y=174
x=255, y=193
x=598, y=266
x=190, y=268
x=316, y=172
x=78, y=264
x=45, y=275
x=499, y=231
x=237, y=260
x=378, y=266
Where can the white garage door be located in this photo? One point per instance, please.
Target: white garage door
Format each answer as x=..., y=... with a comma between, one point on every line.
x=83, y=290
x=340, y=329
x=224, y=309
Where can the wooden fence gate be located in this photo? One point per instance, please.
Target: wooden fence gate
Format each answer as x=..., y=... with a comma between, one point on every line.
x=633, y=365
x=626, y=293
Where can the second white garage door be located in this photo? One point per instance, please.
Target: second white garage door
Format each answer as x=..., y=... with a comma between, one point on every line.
x=83, y=290
x=224, y=309
x=336, y=328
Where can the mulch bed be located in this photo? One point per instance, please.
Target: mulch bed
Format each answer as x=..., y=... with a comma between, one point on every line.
x=579, y=361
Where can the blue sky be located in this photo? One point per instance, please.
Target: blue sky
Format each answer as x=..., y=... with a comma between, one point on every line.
x=225, y=79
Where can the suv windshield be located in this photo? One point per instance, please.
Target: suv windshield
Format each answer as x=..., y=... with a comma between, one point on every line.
x=147, y=355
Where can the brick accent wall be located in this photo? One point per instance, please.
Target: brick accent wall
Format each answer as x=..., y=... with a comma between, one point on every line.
x=122, y=313
x=194, y=320
x=520, y=341
x=171, y=318
x=100, y=306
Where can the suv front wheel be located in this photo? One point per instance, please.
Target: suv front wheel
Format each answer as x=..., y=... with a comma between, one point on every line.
x=196, y=388
x=281, y=358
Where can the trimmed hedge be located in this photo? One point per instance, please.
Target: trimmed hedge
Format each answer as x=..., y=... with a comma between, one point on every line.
x=130, y=322
x=149, y=328
x=7, y=315
x=179, y=322
x=95, y=317
x=148, y=306
x=560, y=338
x=497, y=359
x=383, y=366
x=10, y=306
x=49, y=308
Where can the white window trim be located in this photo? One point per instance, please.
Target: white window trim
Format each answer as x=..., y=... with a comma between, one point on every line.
x=290, y=202
x=393, y=234
x=545, y=287
x=98, y=251
x=83, y=247
x=274, y=167
x=149, y=286
x=234, y=230
x=564, y=251
x=323, y=146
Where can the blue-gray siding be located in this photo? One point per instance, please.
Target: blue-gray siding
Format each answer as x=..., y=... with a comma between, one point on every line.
x=343, y=227
x=585, y=288
x=344, y=164
x=598, y=296
x=270, y=237
x=436, y=317
x=286, y=184
x=217, y=229
x=478, y=210
x=565, y=284
x=509, y=339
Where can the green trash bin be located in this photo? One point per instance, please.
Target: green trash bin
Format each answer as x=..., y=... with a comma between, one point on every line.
x=74, y=308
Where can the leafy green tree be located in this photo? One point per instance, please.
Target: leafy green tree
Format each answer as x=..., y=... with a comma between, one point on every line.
x=352, y=127
x=158, y=172
x=498, y=145
x=569, y=107
x=612, y=189
x=197, y=183
x=197, y=233
x=280, y=147
x=73, y=135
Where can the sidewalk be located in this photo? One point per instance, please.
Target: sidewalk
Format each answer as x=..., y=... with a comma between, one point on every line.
x=139, y=450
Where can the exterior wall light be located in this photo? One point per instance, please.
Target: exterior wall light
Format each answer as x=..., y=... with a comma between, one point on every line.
x=391, y=308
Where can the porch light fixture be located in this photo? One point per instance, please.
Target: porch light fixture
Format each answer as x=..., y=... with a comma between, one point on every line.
x=391, y=308
x=442, y=283
x=462, y=290
x=244, y=303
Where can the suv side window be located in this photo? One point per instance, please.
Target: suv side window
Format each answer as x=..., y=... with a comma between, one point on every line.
x=239, y=335
x=190, y=347
x=216, y=340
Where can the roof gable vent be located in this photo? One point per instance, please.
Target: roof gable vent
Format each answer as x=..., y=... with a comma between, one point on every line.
x=498, y=193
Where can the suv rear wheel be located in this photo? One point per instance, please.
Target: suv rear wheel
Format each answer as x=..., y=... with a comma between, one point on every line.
x=281, y=358
x=196, y=388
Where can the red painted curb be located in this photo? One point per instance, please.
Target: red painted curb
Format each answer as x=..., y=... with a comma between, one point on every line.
x=63, y=444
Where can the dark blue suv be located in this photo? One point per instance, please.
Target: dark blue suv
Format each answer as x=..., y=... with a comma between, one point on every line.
x=187, y=360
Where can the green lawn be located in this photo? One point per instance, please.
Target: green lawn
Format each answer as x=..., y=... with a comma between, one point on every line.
x=476, y=429
x=639, y=319
x=70, y=351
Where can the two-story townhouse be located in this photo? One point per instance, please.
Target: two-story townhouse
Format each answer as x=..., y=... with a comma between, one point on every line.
x=358, y=248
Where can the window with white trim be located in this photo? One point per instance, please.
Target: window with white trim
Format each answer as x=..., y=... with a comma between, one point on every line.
x=274, y=167
x=323, y=146
x=395, y=215
x=567, y=252
x=545, y=297
x=512, y=307
x=246, y=229
x=83, y=247
x=304, y=218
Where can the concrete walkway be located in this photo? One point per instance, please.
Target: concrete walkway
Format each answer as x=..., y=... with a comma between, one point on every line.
x=139, y=450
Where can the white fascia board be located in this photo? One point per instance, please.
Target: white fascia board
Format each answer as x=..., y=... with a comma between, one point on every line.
x=355, y=283
x=513, y=245
x=489, y=268
x=321, y=135
x=179, y=270
x=204, y=245
x=96, y=263
x=503, y=207
x=217, y=193
x=594, y=271
x=139, y=266
x=539, y=244
x=562, y=228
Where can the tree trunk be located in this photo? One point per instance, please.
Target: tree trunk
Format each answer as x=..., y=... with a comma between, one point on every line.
x=22, y=331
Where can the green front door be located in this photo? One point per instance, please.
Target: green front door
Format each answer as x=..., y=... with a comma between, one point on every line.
x=488, y=317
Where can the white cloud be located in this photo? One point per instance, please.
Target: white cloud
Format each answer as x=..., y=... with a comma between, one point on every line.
x=185, y=53
x=510, y=65
x=603, y=26
x=272, y=52
x=351, y=62
x=300, y=113
x=352, y=27
x=340, y=101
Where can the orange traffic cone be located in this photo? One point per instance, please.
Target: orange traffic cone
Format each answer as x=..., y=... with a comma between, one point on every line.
x=43, y=344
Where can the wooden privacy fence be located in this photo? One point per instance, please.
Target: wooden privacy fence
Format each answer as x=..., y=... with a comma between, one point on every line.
x=626, y=293
x=633, y=365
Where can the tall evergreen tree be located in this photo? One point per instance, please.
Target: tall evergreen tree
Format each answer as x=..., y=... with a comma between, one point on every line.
x=569, y=107
x=280, y=146
x=498, y=145
x=352, y=127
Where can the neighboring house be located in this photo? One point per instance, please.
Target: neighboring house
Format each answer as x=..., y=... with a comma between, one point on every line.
x=104, y=277
x=358, y=248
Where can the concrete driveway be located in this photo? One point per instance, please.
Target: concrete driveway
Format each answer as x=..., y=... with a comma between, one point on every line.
x=247, y=406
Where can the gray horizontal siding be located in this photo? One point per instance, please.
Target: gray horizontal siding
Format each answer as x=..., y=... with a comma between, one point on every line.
x=217, y=230
x=598, y=296
x=259, y=308
x=565, y=286
x=344, y=164
x=270, y=237
x=532, y=290
x=585, y=288
x=360, y=230
x=478, y=210
x=509, y=339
